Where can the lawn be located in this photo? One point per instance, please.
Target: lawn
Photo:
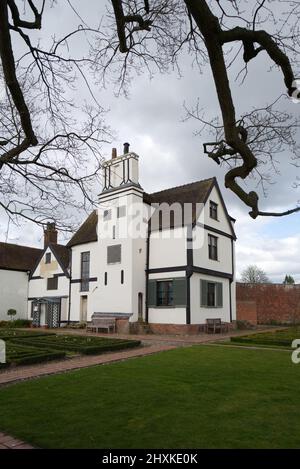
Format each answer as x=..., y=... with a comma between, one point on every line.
x=201, y=396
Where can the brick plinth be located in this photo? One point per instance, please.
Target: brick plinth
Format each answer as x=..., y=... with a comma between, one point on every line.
x=180, y=329
x=122, y=326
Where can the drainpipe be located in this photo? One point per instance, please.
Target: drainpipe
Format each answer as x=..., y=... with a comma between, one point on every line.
x=70, y=291
x=147, y=273
x=232, y=279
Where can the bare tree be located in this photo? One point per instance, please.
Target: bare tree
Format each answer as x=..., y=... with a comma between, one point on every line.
x=253, y=274
x=152, y=33
x=49, y=142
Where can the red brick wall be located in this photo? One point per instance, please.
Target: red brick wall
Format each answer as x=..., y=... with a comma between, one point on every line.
x=273, y=302
x=247, y=311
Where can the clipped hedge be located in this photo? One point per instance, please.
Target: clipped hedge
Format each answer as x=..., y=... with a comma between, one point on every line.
x=79, y=344
x=11, y=334
x=19, y=354
x=15, y=323
x=283, y=337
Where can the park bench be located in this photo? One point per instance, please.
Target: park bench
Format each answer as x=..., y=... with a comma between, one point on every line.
x=214, y=325
x=101, y=323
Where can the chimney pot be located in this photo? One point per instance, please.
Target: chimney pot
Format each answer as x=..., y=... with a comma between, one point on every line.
x=126, y=148
x=50, y=234
x=114, y=153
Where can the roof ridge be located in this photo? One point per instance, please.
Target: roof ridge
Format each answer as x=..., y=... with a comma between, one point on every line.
x=183, y=185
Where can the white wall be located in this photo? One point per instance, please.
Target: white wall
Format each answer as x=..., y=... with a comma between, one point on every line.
x=222, y=223
x=167, y=315
x=200, y=237
x=13, y=293
x=200, y=314
x=168, y=248
x=201, y=259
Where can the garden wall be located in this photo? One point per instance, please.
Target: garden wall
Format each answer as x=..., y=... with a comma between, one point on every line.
x=268, y=303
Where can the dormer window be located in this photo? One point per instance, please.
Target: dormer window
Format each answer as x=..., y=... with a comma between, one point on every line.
x=213, y=210
x=48, y=258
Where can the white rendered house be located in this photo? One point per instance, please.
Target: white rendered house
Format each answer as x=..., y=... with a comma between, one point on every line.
x=165, y=259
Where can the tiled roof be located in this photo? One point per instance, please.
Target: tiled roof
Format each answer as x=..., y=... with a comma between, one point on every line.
x=188, y=193
x=16, y=257
x=87, y=231
x=195, y=192
x=62, y=254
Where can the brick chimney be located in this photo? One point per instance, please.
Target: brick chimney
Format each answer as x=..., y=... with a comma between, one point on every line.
x=114, y=153
x=50, y=234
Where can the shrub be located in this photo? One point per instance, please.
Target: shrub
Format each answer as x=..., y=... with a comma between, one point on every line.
x=11, y=313
x=77, y=325
x=15, y=323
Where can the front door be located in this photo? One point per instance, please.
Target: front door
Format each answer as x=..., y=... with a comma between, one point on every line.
x=83, y=309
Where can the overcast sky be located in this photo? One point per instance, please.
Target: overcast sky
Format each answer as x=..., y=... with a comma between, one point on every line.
x=151, y=120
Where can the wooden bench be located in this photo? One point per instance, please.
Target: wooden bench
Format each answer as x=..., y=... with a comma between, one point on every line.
x=214, y=325
x=101, y=323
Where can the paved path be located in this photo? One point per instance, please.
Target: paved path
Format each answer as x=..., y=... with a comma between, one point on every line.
x=33, y=371
x=9, y=442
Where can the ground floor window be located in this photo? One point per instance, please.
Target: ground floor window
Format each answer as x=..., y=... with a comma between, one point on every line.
x=211, y=294
x=170, y=292
x=165, y=293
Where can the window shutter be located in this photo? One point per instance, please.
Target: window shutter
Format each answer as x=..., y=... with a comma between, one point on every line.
x=179, y=286
x=219, y=293
x=203, y=294
x=151, y=293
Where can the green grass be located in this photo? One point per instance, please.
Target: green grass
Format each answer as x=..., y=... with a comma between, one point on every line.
x=282, y=337
x=207, y=397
